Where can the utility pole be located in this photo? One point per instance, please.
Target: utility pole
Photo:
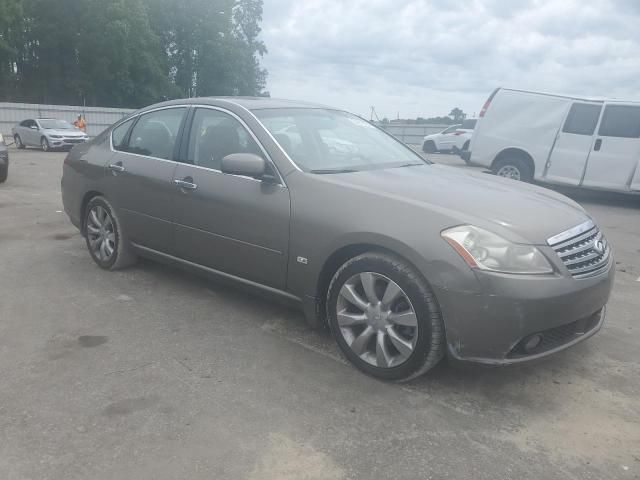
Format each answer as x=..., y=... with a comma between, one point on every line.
x=374, y=113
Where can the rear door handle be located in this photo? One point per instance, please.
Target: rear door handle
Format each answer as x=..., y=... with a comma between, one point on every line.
x=186, y=183
x=597, y=145
x=116, y=167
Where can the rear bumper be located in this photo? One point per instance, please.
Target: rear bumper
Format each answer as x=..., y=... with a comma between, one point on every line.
x=492, y=327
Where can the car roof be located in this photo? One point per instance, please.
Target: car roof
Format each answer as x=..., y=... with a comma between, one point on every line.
x=250, y=103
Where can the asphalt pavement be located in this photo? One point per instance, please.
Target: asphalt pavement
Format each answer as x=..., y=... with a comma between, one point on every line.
x=152, y=373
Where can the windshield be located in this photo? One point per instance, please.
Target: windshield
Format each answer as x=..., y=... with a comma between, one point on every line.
x=51, y=124
x=328, y=141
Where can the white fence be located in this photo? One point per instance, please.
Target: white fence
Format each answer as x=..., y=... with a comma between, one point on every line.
x=97, y=118
x=411, y=134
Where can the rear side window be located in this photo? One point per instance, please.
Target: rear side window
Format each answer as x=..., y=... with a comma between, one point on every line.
x=582, y=119
x=469, y=124
x=155, y=133
x=620, y=121
x=119, y=134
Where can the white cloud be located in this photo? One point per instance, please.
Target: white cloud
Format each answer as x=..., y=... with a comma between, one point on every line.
x=420, y=57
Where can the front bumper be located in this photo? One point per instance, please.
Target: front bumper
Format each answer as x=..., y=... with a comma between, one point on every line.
x=491, y=327
x=66, y=142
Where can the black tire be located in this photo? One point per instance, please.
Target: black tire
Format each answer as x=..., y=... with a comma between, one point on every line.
x=4, y=173
x=513, y=164
x=18, y=141
x=466, y=145
x=123, y=254
x=44, y=144
x=429, y=147
x=430, y=343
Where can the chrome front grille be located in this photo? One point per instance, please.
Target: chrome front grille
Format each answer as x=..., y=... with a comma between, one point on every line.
x=584, y=250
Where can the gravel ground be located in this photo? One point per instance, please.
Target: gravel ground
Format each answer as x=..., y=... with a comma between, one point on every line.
x=151, y=373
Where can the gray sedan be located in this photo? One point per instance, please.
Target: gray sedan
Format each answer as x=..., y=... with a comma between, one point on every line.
x=405, y=261
x=47, y=134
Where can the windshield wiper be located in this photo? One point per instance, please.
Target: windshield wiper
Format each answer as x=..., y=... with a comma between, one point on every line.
x=414, y=164
x=333, y=170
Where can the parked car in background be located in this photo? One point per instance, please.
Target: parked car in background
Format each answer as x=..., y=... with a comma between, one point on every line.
x=405, y=260
x=47, y=134
x=4, y=160
x=559, y=139
x=451, y=140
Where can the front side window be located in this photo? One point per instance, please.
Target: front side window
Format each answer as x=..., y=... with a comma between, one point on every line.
x=25, y=123
x=620, y=121
x=155, y=133
x=331, y=141
x=214, y=135
x=582, y=119
x=451, y=129
x=120, y=133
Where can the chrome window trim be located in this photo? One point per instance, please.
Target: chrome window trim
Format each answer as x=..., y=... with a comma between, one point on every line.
x=572, y=232
x=281, y=183
x=167, y=107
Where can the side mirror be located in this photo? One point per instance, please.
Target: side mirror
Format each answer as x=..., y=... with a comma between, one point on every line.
x=247, y=164
x=34, y=127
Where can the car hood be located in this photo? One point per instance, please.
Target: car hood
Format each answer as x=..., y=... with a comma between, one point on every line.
x=63, y=132
x=519, y=211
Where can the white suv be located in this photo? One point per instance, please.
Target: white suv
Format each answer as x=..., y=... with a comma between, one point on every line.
x=453, y=140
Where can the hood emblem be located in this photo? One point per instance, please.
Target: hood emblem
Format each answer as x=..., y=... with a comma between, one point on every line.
x=599, y=247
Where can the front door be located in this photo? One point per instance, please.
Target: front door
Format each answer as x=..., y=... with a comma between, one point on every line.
x=141, y=175
x=615, y=157
x=231, y=223
x=573, y=144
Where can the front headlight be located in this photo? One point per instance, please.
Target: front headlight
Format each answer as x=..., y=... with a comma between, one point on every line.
x=487, y=251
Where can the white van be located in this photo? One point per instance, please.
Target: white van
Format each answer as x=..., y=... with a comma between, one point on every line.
x=558, y=139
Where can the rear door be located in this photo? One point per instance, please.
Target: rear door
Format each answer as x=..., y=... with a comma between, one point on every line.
x=235, y=224
x=573, y=144
x=615, y=155
x=140, y=181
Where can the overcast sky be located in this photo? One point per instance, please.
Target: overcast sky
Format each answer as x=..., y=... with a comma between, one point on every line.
x=424, y=57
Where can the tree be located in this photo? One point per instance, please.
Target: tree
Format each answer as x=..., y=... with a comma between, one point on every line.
x=457, y=115
x=129, y=52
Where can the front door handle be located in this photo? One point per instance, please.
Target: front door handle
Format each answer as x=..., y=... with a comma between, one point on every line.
x=116, y=167
x=597, y=145
x=186, y=183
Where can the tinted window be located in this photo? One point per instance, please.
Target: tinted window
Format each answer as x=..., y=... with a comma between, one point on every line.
x=469, y=124
x=155, y=133
x=215, y=135
x=582, y=119
x=451, y=129
x=119, y=134
x=620, y=121
x=24, y=123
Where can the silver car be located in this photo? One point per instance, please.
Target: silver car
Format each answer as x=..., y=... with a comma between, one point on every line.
x=47, y=134
x=404, y=260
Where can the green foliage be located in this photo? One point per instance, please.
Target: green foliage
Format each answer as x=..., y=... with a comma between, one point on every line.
x=457, y=115
x=129, y=52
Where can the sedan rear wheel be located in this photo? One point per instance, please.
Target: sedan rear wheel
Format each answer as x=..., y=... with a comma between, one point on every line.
x=105, y=238
x=429, y=147
x=384, y=317
x=18, y=141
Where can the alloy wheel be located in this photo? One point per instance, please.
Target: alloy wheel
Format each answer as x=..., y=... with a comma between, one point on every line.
x=45, y=145
x=509, y=171
x=376, y=319
x=101, y=233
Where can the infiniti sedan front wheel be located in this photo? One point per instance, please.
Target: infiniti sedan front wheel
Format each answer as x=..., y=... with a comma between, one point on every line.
x=384, y=317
